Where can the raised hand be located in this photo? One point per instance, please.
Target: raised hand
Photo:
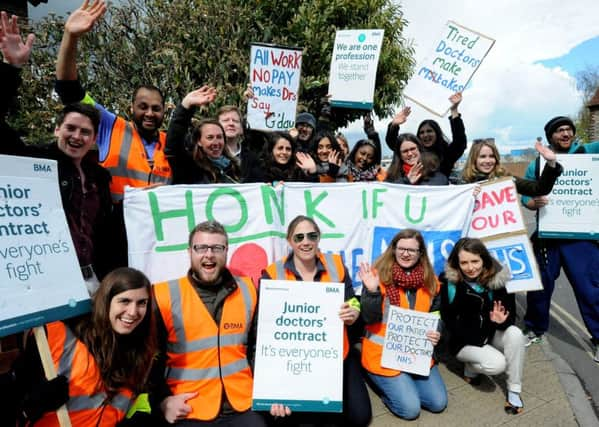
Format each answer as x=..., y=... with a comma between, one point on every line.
x=305, y=162
x=455, y=100
x=499, y=314
x=202, y=96
x=14, y=50
x=401, y=117
x=369, y=276
x=249, y=93
x=83, y=19
x=415, y=173
x=547, y=153
x=335, y=158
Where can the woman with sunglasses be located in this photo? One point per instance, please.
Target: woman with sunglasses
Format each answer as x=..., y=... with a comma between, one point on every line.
x=305, y=262
x=102, y=359
x=484, y=162
x=480, y=316
x=404, y=277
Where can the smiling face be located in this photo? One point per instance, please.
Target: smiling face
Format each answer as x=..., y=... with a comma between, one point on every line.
x=212, y=140
x=407, y=252
x=562, y=138
x=282, y=151
x=427, y=135
x=364, y=157
x=409, y=152
x=147, y=110
x=306, y=249
x=231, y=122
x=324, y=148
x=304, y=131
x=75, y=135
x=344, y=147
x=486, y=161
x=128, y=309
x=208, y=266
x=471, y=264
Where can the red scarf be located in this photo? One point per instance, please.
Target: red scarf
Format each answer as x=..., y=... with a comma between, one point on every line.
x=406, y=168
x=403, y=280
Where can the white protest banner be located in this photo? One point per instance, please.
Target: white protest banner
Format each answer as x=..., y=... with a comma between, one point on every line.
x=40, y=276
x=406, y=347
x=515, y=252
x=354, y=63
x=275, y=73
x=299, y=345
x=496, y=210
x=573, y=207
x=357, y=220
x=455, y=57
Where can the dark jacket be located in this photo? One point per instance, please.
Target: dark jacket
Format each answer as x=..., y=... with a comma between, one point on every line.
x=466, y=315
x=178, y=151
x=12, y=144
x=448, y=154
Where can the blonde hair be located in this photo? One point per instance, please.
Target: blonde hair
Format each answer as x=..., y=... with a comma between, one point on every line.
x=470, y=173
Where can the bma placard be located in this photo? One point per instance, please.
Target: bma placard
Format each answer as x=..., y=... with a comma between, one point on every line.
x=300, y=344
x=354, y=63
x=573, y=206
x=40, y=279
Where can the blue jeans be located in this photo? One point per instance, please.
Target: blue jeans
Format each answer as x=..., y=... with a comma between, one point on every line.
x=404, y=394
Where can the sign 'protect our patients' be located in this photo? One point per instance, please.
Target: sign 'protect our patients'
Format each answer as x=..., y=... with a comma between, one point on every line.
x=299, y=345
x=40, y=279
x=406, y=347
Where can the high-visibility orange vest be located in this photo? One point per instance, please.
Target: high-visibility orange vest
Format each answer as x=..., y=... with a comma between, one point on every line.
x=334, y=272
x=374, y=336
x=86, y=405
x=204, y=357
x=128, y=163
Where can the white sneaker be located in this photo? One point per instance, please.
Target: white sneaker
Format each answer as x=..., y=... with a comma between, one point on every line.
x=533, y=338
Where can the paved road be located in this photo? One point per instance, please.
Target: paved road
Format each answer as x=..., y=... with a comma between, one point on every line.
x=567, y=333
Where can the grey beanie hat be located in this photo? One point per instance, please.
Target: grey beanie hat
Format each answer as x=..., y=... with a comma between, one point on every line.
x=306, y=118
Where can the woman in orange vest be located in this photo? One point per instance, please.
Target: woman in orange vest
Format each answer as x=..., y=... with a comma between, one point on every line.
x=102, y=359
x=307, y=263
x=402, y=276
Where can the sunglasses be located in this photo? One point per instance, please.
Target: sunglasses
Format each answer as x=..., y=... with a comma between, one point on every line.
x=312, y=236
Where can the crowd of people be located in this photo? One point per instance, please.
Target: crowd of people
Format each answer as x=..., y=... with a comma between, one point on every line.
x=150, y=355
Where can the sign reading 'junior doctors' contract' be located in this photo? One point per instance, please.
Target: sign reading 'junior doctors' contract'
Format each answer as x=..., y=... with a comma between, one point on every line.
x=299, y=346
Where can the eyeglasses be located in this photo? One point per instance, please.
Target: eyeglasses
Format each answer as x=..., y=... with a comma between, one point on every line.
x=312, y=236
x=202, y=249
x=409, y=251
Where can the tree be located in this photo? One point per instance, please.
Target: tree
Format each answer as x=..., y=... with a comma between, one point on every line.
x=587, y=81
x=178, y=45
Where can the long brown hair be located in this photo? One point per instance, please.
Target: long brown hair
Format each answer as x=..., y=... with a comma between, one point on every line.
x=471, y=174
x=384, y=263
x=476, y=247
x=123, y=361
x=202, y=160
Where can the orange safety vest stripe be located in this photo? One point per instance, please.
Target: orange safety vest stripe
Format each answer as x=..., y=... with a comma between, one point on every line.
x=204, y=357
x=72, y=359
x=334, y=272
x=127, y=160
x=372, y=342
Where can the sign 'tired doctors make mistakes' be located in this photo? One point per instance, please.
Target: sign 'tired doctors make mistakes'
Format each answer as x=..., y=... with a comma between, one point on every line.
x=299, y=346
x=448, y=68
x=353, y=65
x=275, y=73
x=40, y=279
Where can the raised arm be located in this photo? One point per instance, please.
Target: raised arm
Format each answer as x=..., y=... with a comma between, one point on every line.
x=79, y=23
x=393, y=128
x=458, y=136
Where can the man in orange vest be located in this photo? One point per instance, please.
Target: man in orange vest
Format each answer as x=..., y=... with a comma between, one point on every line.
x=132, y=151
x=205, y=328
